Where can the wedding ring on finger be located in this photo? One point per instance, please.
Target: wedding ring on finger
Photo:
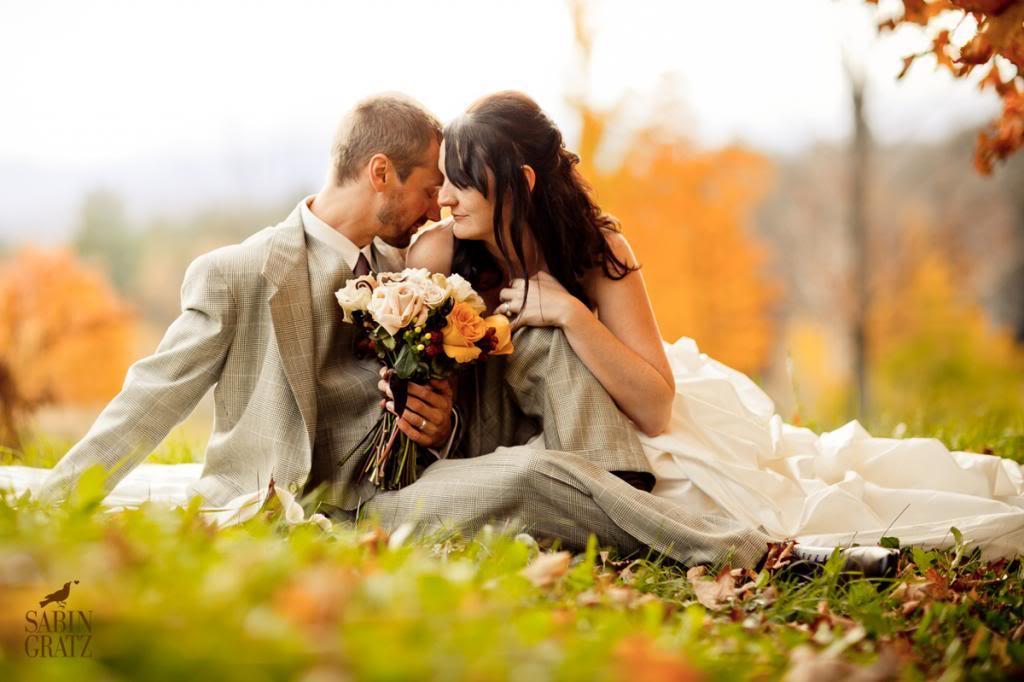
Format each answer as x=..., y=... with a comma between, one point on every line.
x=507, y=308
x=423, y=423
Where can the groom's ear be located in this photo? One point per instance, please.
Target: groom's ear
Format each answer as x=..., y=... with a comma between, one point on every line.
x=531, y=176
x=379, y=166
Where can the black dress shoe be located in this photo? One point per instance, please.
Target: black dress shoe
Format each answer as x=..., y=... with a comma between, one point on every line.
x=872, y=562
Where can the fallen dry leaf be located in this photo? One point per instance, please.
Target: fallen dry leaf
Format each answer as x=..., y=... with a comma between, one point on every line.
x=716, y=593
x=639, y=660
x=979, y=638
x=808, y=665
x=547, y=568
x=315, y=596
x=780, y=554
x=374, y=539
x=826, y=616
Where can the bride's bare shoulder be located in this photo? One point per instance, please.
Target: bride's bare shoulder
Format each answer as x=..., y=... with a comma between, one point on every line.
x=623, y=252
x=433, y=248
x=620, y=247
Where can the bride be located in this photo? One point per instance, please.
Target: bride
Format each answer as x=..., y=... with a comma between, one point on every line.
x=527, y=234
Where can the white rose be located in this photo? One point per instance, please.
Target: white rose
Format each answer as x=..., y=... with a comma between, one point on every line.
x=394, y=306
x=460, y=288
x=418, y=275
x=462, y=292
x=355, y=295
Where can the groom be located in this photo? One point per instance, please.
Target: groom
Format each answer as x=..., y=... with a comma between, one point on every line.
x=260, y=323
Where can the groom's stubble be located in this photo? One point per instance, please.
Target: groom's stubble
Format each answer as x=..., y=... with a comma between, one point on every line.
x=404, y=211
x=392, y=231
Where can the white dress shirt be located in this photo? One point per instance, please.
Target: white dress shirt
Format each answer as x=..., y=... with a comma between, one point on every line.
x=334, y=239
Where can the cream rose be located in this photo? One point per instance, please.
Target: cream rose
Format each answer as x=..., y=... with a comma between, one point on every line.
x=355, y=295
x=433, y=293
x=394, y=306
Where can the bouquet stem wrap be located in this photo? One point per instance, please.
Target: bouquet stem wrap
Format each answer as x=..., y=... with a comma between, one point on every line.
x=391, y=456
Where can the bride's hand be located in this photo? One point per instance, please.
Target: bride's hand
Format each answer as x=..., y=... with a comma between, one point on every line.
x=548, y=304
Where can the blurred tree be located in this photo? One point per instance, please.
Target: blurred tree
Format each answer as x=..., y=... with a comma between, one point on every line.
x=992, y=39
x=105, y=238
x=973, y=222
x=1011, y=287
x=860, y=149
x=65, y=336
x=686, y=214
x=166, y=246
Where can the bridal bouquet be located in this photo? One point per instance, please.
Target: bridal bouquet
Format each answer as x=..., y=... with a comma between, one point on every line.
x=423, y=326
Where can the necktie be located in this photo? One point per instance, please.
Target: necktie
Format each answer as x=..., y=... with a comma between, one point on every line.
x=362, y=266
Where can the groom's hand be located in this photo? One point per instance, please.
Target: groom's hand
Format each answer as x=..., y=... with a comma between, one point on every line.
x=428, y=409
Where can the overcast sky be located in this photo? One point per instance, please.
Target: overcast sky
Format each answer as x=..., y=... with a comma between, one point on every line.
x=89, y=86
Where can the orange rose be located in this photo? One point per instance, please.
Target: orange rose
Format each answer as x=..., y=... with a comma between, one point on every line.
x=465, y=327
x=503, y=332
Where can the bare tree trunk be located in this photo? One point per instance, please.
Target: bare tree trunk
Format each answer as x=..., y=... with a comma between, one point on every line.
x=8, y=405
x=859, y=245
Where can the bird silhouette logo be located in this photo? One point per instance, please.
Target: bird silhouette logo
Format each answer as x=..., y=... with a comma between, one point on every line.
x=60, y=596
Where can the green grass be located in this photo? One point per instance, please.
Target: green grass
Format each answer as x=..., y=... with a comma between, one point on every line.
x=990, y=433
x=173, y=599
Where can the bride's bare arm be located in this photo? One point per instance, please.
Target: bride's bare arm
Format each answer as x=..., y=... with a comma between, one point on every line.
x=623, y=349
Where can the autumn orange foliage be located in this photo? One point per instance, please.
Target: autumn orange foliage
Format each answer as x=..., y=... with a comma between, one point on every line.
x=65, y=336
x=997, y=39
x=687, y=213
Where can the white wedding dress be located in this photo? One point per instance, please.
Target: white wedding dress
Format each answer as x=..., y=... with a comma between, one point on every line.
x=727, y=452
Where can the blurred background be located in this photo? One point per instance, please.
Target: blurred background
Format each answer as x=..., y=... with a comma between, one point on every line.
x=800, y=213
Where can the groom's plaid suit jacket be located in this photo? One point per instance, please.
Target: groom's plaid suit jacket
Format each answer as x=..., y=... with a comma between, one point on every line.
x=246, y=328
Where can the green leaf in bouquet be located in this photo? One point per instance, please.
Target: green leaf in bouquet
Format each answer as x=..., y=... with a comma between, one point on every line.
x=406, y=364
x=388, y=341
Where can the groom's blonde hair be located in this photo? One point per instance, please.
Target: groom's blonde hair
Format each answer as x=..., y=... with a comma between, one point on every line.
x=391, y=124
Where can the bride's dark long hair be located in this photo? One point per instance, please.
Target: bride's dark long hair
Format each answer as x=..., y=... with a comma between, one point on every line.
x=503, y=132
